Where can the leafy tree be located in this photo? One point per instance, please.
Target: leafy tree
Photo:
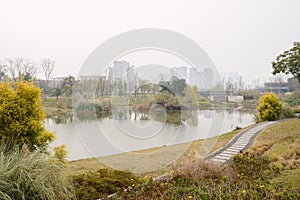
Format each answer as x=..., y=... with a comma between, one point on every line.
x=155, y=88
x=22, y=115
x=57, y=92
x=269, y=108
x=178, y=85
x=175, y=85
x=145, y=86
x=166, y=99
x=68, y=86
x=190, y=98
x=288, y=62
x=196, y=92
x=102, y=86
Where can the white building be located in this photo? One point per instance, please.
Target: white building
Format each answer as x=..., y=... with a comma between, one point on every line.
x=209, y=77
x=89, y=77
x=201, y=81
x=193, y=76
x=56, y=82
x=119, y=69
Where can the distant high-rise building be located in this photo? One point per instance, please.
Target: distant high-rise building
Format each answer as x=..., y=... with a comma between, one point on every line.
x=196, y=78
x=230, y=81
x=193, y=76
x=209, y=77
x=201, y=81
x=119, y=69
x=180, y=72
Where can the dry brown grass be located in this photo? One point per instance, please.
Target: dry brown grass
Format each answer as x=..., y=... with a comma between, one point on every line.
x=281, y=143
x=203, y=169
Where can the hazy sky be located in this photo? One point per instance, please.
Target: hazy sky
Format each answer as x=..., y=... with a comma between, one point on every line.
x=239, y=35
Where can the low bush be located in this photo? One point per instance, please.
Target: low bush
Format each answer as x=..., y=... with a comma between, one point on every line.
x=99, y=184
x=245, y=177
x=287, y=111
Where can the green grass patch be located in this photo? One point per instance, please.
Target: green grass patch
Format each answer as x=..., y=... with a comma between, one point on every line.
x=283, y=141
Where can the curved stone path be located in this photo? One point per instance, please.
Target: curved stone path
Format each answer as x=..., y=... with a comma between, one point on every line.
x=240, y=142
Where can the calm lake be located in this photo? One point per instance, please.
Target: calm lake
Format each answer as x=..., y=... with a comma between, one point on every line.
x=126, y=130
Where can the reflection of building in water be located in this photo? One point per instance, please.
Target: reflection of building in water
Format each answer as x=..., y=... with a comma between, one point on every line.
x=207, y=113
x=240, y=117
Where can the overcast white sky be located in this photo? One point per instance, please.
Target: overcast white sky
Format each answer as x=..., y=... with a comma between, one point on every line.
x=244, y=36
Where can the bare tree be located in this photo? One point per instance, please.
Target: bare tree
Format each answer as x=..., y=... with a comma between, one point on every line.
x=48, y=67
x=2, y=72
x=28, y=70
x=11, y=68
x=20, y=68
x=280, y=78
x=256, y=83
x=132, y=79
x=241, y=84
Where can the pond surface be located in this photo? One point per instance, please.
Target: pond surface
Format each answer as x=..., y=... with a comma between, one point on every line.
x=126, y=130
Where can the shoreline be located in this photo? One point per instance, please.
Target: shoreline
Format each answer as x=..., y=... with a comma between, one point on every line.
x=155, y=155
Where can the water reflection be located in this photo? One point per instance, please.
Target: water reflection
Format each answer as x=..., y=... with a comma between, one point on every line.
x=127, y=113
x=158, y=114
x=127, y=130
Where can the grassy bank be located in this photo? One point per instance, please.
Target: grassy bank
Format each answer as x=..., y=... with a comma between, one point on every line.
x=137, y=158
x=56, y=108
x=268, y=170
x=281, y=143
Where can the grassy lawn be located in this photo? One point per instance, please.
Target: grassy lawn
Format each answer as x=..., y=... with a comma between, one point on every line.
x=53, y=108
x=281, y=143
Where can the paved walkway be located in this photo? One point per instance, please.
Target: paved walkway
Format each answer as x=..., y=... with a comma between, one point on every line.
x=240, y=142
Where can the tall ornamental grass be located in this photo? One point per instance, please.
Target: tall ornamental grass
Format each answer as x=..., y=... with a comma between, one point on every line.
x=32, y=175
